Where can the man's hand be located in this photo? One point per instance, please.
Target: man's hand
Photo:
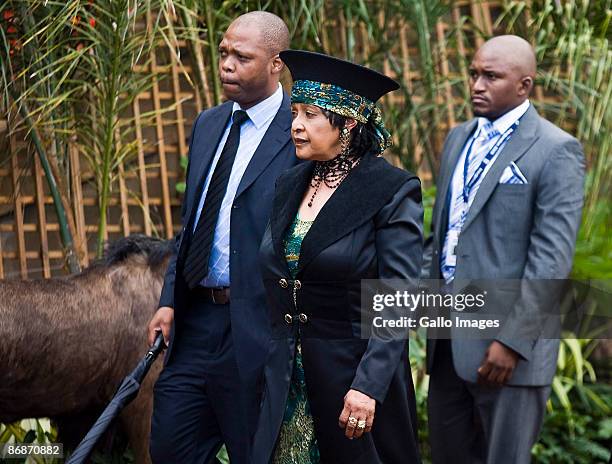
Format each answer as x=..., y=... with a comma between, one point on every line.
x=498, y=364
x=162, y=320
x=358, y=410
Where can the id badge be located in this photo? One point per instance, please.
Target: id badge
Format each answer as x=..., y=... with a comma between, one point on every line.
x=451, y=255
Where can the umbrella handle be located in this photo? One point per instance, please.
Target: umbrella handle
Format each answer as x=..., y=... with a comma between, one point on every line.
x=158, y=345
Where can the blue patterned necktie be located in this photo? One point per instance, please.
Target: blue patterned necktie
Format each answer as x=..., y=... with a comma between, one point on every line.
x=488, y=132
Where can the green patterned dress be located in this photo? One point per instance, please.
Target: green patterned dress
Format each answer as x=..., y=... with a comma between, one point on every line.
x=296, y=443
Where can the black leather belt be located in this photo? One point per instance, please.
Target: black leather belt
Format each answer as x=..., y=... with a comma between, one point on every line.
x=215, y=295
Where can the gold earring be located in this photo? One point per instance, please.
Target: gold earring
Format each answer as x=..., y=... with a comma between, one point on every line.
x=345, y=141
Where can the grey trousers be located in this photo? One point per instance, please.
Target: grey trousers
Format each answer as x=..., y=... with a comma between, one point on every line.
x=472, y=424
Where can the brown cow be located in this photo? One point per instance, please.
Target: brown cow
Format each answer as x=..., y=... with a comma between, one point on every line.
x=66, y=343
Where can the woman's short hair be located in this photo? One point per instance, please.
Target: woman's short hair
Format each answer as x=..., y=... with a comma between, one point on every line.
x=364, y=138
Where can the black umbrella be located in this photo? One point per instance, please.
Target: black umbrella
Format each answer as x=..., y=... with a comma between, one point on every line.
x=125, y=394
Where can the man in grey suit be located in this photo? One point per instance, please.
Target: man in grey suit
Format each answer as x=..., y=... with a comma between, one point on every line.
x=508, y=206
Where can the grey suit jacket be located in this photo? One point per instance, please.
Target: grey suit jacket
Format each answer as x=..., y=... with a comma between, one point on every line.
x=514, y=231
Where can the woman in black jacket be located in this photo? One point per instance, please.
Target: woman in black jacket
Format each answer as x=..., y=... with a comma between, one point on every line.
x=331, y=395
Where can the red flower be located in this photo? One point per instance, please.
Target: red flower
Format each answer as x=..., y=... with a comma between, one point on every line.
x=8, y=15
x=92, y=22
x=14, y=45
x=11, y=30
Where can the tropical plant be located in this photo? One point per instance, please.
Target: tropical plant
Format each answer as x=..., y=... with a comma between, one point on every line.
x=26, y=56
x=571, y=40
x=587, y=442
x=109, y=79
x=577, y=426
x=73, y=70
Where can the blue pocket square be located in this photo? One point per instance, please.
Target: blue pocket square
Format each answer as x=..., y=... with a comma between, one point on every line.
x=512, y=175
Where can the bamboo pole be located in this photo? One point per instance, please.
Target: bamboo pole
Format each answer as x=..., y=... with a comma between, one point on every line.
x=180, y=119
x=450, y=110
x=462, y=53
x=18, y=202
x=125, y=215
x=79, y=213
x=42, y=218
x=161, y=148
x=142, y=171
x=62, y=216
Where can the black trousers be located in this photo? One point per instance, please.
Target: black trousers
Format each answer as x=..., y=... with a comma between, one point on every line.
x=199, y=401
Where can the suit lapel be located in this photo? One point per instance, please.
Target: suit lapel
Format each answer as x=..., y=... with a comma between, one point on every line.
x=522, y=139
x=275, y=138
x=358, y=198
x=205, y=151
x=287, y=199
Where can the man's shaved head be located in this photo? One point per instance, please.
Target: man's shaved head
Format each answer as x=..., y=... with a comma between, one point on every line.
x=249, y=65
x=272, y=29
x=515, y=50
x=502, y=75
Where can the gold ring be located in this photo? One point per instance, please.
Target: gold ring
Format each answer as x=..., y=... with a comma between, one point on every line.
x=352, y=421
x=361, y=424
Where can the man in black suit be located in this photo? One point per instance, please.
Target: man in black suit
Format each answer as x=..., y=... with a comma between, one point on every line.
x=212, y=307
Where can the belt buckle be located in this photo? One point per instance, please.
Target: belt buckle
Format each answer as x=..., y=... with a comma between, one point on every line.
x=212, y=294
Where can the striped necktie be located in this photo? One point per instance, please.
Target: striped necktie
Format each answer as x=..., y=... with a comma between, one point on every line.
x=487, y=134
x=196, y=263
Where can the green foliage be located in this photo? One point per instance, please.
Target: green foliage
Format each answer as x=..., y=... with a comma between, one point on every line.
x=593, y=259
x=429, y=197
x=575, y=62
x=25, y=57
x=576, y=428
x=585, y=441
x=107, y=71
x=74, y=76
x=180, y=186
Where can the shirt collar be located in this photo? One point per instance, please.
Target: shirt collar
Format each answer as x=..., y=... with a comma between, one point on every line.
x=265, y=110
x=503, y=123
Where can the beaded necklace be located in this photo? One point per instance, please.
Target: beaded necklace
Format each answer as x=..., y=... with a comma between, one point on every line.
x=332, y=172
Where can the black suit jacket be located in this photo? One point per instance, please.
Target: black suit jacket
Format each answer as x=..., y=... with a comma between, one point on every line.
x=371, y=227
x=250, y=214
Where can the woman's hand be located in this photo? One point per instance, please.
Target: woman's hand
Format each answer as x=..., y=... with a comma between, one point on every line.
x=357, y=415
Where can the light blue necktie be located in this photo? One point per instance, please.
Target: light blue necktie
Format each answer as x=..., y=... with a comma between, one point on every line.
x=490, y=132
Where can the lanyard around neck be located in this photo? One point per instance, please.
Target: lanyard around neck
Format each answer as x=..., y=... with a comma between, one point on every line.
x=469, y=185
